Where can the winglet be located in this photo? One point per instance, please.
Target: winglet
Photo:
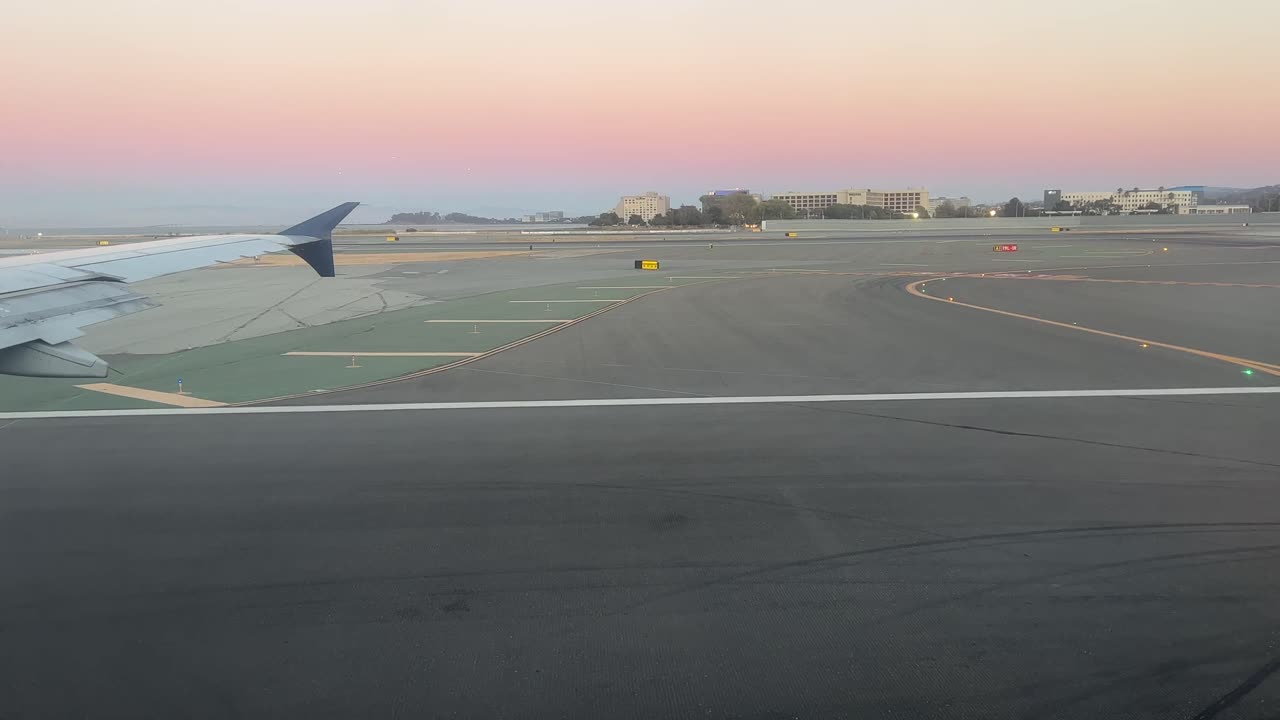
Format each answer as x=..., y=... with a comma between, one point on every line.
x=319, y=254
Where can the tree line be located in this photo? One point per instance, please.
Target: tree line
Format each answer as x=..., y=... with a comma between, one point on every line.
x=427, y=217
x=746, y=210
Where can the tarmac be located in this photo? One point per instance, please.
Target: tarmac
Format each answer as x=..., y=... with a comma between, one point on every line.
x=1062, y=555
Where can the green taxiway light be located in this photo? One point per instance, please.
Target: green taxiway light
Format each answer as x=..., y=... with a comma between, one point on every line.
x=1247, y=371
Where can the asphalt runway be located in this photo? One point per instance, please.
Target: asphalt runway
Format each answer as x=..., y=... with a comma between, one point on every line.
x=1049, y=557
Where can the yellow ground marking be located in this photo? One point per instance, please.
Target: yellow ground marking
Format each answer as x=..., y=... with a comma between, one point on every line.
x=356, y=353
x=382, y=258
x=497, y=321
x=568, y=301
x=155, y=396
x=1268, y=368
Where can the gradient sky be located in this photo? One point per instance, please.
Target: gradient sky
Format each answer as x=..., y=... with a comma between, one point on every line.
x=138, y=111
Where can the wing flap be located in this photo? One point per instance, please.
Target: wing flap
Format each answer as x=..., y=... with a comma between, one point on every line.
x=56, y=314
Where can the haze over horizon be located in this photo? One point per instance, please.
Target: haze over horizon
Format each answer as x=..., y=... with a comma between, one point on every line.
x=135, y=111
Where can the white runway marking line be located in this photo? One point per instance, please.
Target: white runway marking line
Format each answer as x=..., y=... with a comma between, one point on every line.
x=595, y=300
x=903, y=265
x=650, y=402
x=356, y=353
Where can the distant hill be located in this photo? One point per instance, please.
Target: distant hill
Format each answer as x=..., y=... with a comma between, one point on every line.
x=429, y=218
x=1265, y=198
x=1215, y=194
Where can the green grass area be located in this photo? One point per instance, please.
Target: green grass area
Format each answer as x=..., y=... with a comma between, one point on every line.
x=258, y=368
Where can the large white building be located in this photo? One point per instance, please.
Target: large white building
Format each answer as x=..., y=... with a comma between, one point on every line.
x=903, y=201
x=1131, y=201
x=647, y=206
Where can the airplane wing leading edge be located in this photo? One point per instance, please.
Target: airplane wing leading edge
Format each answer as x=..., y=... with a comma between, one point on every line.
x=46, y=299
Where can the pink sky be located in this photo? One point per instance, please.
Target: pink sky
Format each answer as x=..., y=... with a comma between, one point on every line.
x=449, y=105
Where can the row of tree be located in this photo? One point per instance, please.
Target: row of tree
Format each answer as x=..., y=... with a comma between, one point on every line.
x=683, y=216
x=746, y=210
x=1109, y=207
x=841, y=211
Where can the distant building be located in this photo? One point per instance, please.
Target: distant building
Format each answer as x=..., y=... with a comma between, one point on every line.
x=810, y=202
x=1052, y=198
x=1197, y=190
x=903, y=201
x=543, y=217
x=735, y=191
x=956, y=202
x=1136, y=201
x=1220, y=209
x=647, y=206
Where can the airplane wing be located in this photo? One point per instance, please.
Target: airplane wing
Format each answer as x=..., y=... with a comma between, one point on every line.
x=46, y=299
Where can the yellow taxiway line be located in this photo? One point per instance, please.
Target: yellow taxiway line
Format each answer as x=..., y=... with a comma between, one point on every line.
x=155, y=396
x=1258, y=365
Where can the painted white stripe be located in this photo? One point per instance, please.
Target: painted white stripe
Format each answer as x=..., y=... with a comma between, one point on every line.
x=903, y=265
x=658, y=401
x=567, y=301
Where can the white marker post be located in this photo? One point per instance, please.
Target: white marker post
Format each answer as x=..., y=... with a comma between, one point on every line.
x=180, y=390
x=353, y=362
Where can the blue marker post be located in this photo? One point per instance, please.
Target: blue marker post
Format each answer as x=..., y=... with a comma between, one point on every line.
x=180, y=392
